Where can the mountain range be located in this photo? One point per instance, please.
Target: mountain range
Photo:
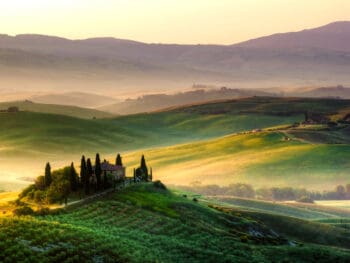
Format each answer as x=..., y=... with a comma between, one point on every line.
x=110, y=66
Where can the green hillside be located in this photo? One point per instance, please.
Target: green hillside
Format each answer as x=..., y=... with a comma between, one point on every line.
x=147, y=224
x=27, y=132
x=72, y=111
x=184, y=144
x=297, y=210
x=261, y=159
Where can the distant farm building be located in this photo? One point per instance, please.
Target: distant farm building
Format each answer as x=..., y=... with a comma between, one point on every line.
x=315, y=118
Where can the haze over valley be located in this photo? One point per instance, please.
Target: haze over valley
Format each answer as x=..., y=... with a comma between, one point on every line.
x=175, y=131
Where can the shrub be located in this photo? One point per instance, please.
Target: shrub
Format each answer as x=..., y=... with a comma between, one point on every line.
x=26, y=191
x=39, y=196
x=305, y=199
x=159, y=184
x=195, y=199
x=22, y=211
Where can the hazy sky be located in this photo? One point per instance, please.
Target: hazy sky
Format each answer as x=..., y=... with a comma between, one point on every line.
x=177, y=21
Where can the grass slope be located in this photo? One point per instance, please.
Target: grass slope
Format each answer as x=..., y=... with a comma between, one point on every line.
x=47, y=133
x=147, y=224
x=261, y=159
x=297, y=210
x=72, y=111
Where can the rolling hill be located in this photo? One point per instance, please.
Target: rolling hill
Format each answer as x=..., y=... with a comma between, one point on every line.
x=182, y=143
x=260, y=159
x=318, y=56
x=66, y=110
x=153, y=102
x=80, y=99
x=166, y=227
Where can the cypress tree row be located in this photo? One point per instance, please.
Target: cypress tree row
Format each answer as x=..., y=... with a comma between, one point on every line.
x=83, y=171
x=118, y=160
x=98, y=170
x=48, y=178
x=88, y=176
x=73, y=178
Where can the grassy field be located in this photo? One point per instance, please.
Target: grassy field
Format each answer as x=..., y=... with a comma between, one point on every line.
x=31, y=139
x=343, y=204
x=261, y=159
x=148, y=224
x=298, y=210
x=184, y=145
x=71, y=111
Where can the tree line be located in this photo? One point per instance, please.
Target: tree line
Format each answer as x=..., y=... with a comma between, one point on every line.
x=340, y=192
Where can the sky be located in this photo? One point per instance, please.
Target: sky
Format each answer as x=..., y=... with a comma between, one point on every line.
x=165, y=21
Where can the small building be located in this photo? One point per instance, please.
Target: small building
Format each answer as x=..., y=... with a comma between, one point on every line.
x=117, y=172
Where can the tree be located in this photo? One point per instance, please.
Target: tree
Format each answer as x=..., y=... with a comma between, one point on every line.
x=144, y=168
x=118, y=160
x=40, y=183
x=48, y=178
x=151, y=175
x=105, y=180
x=59, y=191
x=88, y=176
x=340, y=190
x=347, y=191
x=139, y=174
x=98, y=170
x=83, y=171
x=73, y=178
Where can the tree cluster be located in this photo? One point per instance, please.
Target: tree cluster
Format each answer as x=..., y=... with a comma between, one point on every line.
x=142, y=173
x=56, y=186
x=273, y=194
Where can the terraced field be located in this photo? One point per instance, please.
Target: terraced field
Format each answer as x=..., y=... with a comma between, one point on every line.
x=147, y=224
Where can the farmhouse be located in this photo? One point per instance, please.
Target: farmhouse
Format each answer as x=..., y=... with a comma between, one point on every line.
x=117, y=172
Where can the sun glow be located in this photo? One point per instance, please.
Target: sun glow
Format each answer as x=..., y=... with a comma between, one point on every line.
x=181, y=21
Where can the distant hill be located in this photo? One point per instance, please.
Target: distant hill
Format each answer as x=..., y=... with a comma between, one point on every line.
x=154, y=102
x=319, y=56
x=72, y=111
x=79, y=99
x=323, y=92
x=334, y=36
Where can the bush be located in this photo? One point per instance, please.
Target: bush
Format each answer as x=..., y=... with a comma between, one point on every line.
x=305, y=199
x=23, y=211
x=159, y=184
x=195, y=200
x=27, y=191
x=39, y=196
x=43, y=211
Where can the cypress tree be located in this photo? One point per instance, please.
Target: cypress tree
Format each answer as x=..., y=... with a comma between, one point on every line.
x=88, y=176
x=105, y=180
x=144, y=168
x=48, y=178
x=98, y=170
x=73, y=178
x=118, y=160
x=83, y=171
x=151, y=175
